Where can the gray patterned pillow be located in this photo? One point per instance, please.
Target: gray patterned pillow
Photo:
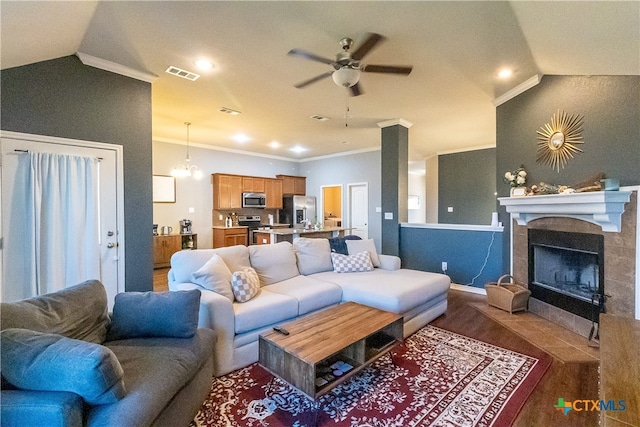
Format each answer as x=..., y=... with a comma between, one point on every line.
x=351, y=263
x=245, y=284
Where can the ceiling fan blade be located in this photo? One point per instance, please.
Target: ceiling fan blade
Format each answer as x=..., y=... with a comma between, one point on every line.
x=356, y=90
x=308, y=55
x=313, y=80
x=372, y=40
x=392, y=69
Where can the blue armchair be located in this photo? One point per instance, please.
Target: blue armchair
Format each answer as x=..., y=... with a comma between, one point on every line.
x=67, y=362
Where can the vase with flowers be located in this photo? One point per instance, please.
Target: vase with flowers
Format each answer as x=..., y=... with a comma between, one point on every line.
x=517, y=179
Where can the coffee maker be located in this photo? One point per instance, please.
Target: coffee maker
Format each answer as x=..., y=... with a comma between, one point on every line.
x=185, y=226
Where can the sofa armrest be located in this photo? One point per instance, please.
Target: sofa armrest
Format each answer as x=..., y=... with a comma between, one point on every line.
x=389, y=262
x=39, y=408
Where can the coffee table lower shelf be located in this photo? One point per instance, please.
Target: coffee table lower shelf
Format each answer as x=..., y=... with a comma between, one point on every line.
x=328, y=347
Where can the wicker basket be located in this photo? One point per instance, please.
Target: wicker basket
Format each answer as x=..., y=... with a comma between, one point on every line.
x=507, y=296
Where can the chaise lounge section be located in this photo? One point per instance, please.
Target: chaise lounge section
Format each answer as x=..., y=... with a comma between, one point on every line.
x=295, y=280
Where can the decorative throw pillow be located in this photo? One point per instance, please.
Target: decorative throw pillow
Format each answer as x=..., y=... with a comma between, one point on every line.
x=351, y=263
x=245, y=284
x=338, y=243
x=155, y=314
x=215, y=276
x=357, y=246
x=50, y=362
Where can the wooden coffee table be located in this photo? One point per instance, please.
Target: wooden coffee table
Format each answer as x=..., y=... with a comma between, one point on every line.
x=325, y=348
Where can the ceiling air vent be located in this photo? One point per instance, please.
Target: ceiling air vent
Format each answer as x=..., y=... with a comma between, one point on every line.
x=319, y=118
x=229, y=111
x=182, y=73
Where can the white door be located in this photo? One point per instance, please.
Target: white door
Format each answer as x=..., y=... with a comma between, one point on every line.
x=359, y=209
x=110, y=210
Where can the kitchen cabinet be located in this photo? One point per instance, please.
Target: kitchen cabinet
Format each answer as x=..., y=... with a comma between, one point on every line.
x=227, y=191
x=293, y=185
x=230, y=236
x=163, y=247
x=252, y=184
x=273, y=191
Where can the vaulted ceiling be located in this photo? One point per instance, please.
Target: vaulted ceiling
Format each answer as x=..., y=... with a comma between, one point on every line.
x=456, y=50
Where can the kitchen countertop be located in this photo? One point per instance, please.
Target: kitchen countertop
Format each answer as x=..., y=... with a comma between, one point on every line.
x=290, y=231
x=235, y=226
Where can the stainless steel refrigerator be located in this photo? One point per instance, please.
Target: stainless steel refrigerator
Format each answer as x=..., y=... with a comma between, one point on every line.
x=298, y=210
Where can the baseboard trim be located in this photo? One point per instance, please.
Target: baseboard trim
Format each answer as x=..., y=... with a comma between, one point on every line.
x=470, y=289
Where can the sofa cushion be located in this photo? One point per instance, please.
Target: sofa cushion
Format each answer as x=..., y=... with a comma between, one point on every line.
x=215, y=276
x=264, y=310
x=50, y=362
x=397, y=291
x=155, y=314
x=78, y=312
x=357, y=246
x=313, y=255
x=351, y=263
x=155, y=369
x=312, y=294
x=245, y=284
x=273, y=263
x=184, y=263
x=54, y=408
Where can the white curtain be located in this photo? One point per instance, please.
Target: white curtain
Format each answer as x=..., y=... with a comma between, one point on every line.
x=62, y=221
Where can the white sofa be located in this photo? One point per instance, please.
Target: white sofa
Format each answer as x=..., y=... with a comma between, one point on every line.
x=296, y=280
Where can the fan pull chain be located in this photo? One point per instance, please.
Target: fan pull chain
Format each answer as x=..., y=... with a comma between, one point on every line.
x=346, y=113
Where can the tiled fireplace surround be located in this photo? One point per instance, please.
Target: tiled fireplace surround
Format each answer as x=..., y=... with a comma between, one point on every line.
x=619, y=265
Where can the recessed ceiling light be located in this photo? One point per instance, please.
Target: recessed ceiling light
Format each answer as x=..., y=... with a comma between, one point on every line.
x=504, y=73
x=229, y=111
x=298, y=149
x=274, y=144
x=204, y=64
x=241, y=138
x=182, y=73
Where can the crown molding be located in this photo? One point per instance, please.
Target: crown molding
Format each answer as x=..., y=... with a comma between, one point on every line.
x=393, y=122
x=113, y=67
x=524, y=86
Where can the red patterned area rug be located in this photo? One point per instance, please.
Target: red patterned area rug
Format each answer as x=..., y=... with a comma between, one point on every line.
x=435, y=378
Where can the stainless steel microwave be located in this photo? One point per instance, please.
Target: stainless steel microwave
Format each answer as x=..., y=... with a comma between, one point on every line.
x=254, y=200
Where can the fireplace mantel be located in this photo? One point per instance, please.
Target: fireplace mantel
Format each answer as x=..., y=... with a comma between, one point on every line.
x=603, y=208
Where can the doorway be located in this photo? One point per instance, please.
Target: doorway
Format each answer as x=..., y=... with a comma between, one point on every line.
x=109, y=213
x=358, y=217
x=331, y=205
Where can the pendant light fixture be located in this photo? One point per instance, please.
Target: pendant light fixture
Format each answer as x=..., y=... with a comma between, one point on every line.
x=187, y=169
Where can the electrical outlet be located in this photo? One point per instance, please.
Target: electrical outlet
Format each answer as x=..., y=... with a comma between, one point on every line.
x=449, y=208
x=444, y=265
x=220, y=217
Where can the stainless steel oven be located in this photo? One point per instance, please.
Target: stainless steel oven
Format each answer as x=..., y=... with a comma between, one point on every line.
x=254, y=200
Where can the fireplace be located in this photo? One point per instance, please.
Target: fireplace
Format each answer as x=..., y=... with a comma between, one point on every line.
x=610, y=214
x=566, y=270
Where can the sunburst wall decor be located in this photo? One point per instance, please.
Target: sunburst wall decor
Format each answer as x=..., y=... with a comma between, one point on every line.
x=558, y=139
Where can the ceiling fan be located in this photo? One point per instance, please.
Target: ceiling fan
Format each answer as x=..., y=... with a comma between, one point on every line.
x=347, y=65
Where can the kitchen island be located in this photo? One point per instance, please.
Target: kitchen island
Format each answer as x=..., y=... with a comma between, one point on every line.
x=277, y=235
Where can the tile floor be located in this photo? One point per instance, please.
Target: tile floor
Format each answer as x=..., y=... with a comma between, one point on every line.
x=561, y=343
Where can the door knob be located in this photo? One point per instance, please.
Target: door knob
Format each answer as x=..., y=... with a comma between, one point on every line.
x=111, y=245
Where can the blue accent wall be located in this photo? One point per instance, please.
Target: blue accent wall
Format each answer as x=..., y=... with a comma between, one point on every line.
x=64, y=98
x=464, y=251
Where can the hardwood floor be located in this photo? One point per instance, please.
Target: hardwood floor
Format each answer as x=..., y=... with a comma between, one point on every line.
x=160, y=281
x=570, y=381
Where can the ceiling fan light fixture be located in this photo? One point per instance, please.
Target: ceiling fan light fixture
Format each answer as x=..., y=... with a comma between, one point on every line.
x=346, y=76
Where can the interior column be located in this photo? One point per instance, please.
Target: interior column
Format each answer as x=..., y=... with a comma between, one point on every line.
x=394, y=186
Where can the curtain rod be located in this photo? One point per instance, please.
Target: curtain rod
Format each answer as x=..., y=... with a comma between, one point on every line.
x=17, y=150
